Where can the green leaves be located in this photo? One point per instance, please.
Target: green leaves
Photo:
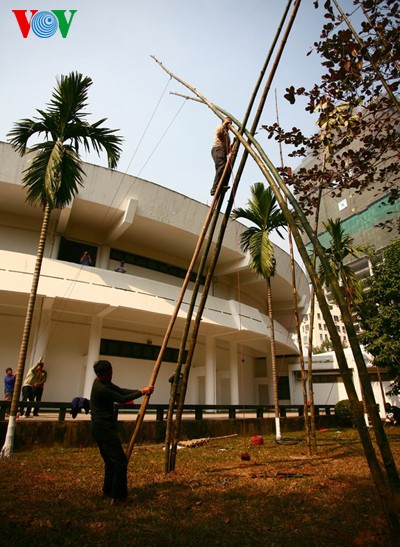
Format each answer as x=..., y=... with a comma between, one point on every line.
x=55, y=172
x=380, y=311
x=263, y=212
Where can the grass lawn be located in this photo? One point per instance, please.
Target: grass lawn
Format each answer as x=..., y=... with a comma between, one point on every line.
x=280, y=497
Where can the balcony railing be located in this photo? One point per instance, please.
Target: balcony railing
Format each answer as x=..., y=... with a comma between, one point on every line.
x=197, y=412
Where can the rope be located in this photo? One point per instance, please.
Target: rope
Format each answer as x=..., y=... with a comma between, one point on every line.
x=134, y=154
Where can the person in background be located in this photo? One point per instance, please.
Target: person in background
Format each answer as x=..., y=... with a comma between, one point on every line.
x=219, y=152
x=86, y=259
x=392, y=414
x=38, y=387
x=121, y=267
x=103, y=396
x=79, y=404
x=9, y=382
x=32, y=386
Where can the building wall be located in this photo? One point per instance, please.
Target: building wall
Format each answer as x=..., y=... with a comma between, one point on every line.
x=77, y=306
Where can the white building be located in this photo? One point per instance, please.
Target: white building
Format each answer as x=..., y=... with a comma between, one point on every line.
x=320, y=332
x=84, y=313
x=328, y=385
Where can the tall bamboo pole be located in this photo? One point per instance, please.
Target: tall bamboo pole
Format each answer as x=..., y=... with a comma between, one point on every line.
x=173, y=447
x=157, y=365
x=277, y=186
x=310, y=445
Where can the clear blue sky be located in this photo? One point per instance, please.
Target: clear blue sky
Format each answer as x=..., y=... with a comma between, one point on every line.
x=218, y=46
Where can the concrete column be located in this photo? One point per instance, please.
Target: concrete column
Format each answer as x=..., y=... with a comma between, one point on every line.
x=234, y=373
x=103, y=257
x=92, y=354
x=210, y=372
x=55, y=247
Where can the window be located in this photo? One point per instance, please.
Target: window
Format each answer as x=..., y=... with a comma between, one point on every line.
x=72, y=251
x=321, y=336
x=134, y=350
x=335, y=318
x=318, y=315
x=152, y=264
x=283, y=387
x=319, y=326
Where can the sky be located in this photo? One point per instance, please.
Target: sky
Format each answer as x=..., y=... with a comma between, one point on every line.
x=218, y=46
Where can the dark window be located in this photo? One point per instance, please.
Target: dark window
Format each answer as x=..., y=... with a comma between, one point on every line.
x=283, y=387
x=152, y=264
x=71, y=251
x=134, y=350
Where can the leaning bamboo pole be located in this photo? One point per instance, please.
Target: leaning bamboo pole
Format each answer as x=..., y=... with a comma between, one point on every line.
x=167, y=335
x=277, y=185
x=388, y=500
x=142, y=411
x=310, y=445
x=173, y=446
x=182, y=350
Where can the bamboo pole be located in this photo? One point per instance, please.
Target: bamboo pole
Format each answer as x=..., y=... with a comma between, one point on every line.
x=157, y=365
x=173, y=447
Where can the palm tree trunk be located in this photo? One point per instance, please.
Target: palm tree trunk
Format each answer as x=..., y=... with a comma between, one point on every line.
x=273, y=361
x=8, y=447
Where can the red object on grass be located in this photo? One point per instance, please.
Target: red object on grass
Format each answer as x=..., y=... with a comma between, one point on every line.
x=245, y=456
x=257, y=440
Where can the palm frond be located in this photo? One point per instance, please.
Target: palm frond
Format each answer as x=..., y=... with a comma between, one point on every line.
x=53, y=175
x=55, y=171
x=263, y=212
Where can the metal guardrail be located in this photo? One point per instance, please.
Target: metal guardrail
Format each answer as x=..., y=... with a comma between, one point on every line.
x=199, y=411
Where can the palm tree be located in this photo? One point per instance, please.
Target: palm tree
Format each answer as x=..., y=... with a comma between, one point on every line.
x=263, y=212
x=53, y=178
x=342, y=247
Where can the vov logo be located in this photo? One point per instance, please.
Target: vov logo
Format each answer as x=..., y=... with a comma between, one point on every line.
x=44, y=23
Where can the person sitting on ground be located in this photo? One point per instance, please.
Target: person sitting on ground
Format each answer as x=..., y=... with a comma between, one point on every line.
x=78, y=404
x=104, y=429
x=392, y=414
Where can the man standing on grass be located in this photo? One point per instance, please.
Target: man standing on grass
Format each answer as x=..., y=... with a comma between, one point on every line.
x=32, y=388
x=104, y=429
